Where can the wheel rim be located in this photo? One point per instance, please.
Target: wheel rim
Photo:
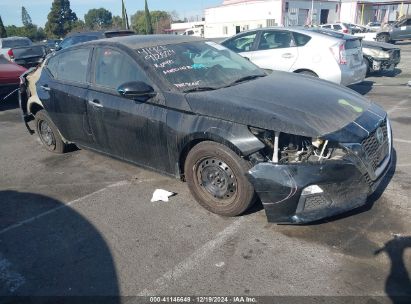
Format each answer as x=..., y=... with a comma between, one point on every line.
x=46, y=134
x=216, y=178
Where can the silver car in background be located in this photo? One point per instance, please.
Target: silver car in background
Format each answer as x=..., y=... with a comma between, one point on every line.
x=329, y=55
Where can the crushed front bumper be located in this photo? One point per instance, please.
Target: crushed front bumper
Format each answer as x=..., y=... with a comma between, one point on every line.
x=283, y=189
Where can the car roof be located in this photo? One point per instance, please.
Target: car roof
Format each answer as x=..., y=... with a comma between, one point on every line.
x=98, y=33
x=15, y=38
x=297, y=29
x=142, y=41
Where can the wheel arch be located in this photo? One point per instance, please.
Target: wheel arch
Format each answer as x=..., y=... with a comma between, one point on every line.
x=305, y=70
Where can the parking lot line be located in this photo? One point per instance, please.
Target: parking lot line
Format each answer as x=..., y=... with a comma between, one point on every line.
x=398, y=105
x=402, y=140
x=36, y=217
x=192, y=261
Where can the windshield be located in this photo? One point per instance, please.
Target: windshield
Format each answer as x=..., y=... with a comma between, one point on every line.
x=199, y=65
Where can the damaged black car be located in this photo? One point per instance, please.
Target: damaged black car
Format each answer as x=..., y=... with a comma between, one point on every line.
x=380, y=56
x=192, y=109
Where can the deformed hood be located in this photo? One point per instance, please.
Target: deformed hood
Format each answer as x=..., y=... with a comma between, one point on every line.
x=284, y=102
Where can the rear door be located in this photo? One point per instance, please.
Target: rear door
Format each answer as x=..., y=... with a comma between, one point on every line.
x=63, y=89
x=276, y=50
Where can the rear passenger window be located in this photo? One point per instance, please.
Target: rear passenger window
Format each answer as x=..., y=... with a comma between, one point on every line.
x=301, y=39
x=114, y=69
x=337, y=27
x=326, y=26
x=70, y=66
x=73, y=65
x=352, y=44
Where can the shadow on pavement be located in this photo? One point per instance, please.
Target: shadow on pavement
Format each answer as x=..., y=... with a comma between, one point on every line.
x=48, y=249
x=398, y=282
x=362, y=88
x=10, y=103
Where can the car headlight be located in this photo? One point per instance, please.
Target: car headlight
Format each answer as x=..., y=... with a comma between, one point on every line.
x=376, y=53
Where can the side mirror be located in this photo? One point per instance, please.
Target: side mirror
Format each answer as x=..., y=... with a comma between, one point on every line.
x=136, y=89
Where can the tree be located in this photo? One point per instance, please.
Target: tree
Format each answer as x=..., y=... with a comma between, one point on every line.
x=61, y=18
x=124, y=15
x=147, y=16
x=25, y=17
x=117, y=22
x=78, y=26
x=161, y=21
x=98, y=18
x=3, y=32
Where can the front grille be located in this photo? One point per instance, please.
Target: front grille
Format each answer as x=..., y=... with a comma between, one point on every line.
x=376, y=149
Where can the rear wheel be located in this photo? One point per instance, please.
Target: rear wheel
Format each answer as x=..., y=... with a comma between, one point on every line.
x=48, y=133
x=216, y=178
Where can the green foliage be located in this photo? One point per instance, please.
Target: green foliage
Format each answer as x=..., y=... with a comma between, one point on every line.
x=60, y=20
x=3, y=32
x=147, y=17
x=117, y=23
x=25, y=17
x=160, y=20
x=78, y=26
x=97, y=19
x=33, y=32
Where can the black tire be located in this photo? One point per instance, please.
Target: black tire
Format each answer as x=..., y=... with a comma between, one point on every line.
x=216, y=178
x=383, y=38
x=308, y=73
x=48, y=133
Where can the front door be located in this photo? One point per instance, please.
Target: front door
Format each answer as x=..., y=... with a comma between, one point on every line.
x=402, y=30
x=63, y=91
x=133, y=130
x=276, y=50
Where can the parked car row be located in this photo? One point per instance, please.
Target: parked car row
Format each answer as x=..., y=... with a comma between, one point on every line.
x=194, y=109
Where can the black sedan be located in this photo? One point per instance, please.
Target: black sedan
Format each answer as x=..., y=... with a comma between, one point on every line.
x=192, y=109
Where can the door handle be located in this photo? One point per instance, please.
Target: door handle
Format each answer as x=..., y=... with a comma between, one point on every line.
x=45, y=87
x=95, y=103
x=287, y=55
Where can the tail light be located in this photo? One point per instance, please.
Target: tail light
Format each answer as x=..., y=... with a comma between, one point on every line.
x=338, y=51
x=10, y=53
x=345, y=31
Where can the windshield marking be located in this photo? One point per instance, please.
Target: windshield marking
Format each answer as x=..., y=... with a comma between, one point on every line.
x=156, y=53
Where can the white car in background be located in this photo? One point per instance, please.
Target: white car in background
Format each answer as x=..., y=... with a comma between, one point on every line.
x=338, y=27
x=316, y=52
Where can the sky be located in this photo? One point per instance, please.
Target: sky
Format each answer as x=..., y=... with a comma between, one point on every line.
x=10, y=10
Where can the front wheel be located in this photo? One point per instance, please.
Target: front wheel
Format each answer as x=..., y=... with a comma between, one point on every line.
x=216, y=178
x=48, y=133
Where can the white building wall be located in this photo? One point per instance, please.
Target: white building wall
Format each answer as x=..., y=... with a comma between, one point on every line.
x=348, y=11
x=223, y=21
x=295, y=7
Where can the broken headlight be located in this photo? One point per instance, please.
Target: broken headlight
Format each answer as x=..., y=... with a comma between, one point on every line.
x=287, y=148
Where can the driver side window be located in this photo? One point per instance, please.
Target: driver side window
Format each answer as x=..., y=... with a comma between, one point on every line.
x=244, y=43
x=114, y=68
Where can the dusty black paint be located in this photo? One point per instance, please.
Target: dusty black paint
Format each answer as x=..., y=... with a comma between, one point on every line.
x=157, y=132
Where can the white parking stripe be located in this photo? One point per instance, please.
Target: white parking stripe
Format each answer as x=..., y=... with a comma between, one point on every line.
x=402, y=140
x=398, y=105
x=192, y=261
x=29, y=220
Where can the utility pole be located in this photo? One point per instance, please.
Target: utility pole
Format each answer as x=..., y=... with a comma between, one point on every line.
x=312, y=11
